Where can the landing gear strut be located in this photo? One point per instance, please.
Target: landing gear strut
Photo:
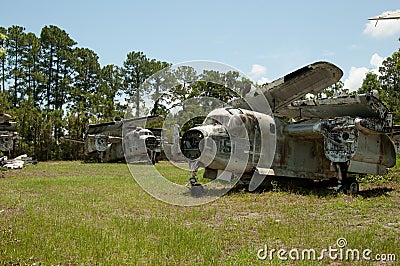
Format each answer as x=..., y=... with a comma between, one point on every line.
x=196, y=189
x=348, y=186
x=100, y=157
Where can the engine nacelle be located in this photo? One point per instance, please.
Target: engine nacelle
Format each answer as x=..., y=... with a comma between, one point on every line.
x=231, y=139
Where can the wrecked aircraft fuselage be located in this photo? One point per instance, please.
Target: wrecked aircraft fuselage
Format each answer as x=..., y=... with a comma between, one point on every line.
x=104, y=141
x=7, y=133
x=312, y=150
x=324, y=139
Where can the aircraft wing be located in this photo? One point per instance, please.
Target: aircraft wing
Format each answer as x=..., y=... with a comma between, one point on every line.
x=68, y=139
x=312, y=78
x=115, y=127
x=363, y=105
x=387, y=15
x=131, y=124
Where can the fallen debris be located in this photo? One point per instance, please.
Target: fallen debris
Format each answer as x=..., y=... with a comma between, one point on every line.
x=16, y=163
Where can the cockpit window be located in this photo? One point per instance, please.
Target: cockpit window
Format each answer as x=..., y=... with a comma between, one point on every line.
x=210, y=121
x=234, y=111
x=235, y=122
x=145, y=133
x=216, y=120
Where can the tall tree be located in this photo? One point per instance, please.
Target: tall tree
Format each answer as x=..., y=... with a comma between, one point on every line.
x=159, y=80
x=56, y=51
x=56, y=48
x=110, y=87
x=186, y=76
x=30, y=64
x=3, y=44
x=16, y=40
x=4, y=102
x=215, y=85
x=158, y=85
x=137, y=68
x=86, y=82
x=390, y=83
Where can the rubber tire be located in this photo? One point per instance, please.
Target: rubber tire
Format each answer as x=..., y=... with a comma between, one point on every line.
x=351, y=187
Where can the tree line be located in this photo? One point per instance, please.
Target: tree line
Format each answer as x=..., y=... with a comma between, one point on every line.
x=53, y=88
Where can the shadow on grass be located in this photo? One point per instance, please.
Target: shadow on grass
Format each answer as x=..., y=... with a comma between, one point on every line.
x=307, y=187
x=375, y=192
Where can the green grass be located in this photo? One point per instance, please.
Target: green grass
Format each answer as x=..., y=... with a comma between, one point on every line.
x=70, y=213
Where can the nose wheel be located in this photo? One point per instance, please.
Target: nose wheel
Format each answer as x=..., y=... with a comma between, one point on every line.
x=348, y=186
x=351, y=187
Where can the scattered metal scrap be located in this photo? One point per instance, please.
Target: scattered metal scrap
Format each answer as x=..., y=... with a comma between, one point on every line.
x=16, y=163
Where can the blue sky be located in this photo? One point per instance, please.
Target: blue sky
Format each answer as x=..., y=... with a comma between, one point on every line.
x=264, y=39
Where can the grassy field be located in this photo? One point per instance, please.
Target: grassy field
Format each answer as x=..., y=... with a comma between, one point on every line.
x=71, y=213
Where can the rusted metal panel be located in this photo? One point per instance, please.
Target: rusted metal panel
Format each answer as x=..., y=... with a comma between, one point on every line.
x=363, y=105
x=376, y=149
x=366, y=168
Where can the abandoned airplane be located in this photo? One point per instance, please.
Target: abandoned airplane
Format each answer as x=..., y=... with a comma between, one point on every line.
x=324, y=139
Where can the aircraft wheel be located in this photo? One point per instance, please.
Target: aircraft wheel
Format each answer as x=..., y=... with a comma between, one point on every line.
x=197, y=190
x=351, y=187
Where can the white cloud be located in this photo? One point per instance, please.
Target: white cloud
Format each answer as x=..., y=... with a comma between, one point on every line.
x=356, y=78
x=257, y=71
x=263, y=80
x=357, y=74
x=383, y=28
x=376, y=60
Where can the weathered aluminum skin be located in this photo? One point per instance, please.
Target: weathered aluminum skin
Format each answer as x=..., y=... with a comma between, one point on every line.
x=7, y=133
x=352, y=132
x=364, y=105
x=229, y=137
x=313, y=78
x=104, y=141
x=308, y=150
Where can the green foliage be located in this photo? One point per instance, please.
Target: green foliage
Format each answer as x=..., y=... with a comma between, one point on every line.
x=390, y=84
x=2, y=49
x=137, y=68
x=370, y=84
x=393, y=174
x=336, y=89
x=53, y=89
x=375, y=178
x=5, y=104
